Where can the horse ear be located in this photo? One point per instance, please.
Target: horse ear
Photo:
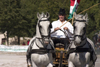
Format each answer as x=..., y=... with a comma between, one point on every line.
x=86, y=17
x=38, y=15
x=48, y=15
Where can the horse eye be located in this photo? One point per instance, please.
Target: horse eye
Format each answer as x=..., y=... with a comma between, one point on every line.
x=84, y=28
x=74, y=27
x=40, y=26
x=50, y=26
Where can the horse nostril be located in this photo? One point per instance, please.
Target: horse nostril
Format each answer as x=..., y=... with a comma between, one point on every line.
x=77, y=41
x=74, y=42
x=46, y=42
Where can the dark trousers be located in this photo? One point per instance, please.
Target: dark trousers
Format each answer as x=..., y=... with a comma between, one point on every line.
x=62, y=41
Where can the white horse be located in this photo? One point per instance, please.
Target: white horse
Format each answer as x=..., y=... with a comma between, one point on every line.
x=81, y=52
x=39, y=53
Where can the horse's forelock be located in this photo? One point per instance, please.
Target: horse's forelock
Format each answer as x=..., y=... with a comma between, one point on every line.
x=43, y=16
x=82, y=17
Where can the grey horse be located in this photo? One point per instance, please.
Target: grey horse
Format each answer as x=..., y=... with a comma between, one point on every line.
x=81, y=52
x=41, y=47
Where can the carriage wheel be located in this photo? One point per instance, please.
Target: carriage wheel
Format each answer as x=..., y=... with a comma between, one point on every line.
x=60, y=61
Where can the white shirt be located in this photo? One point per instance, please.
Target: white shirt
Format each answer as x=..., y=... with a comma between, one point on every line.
x=59, y=33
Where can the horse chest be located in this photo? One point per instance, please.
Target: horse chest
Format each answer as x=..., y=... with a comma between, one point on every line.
x=38, y=45
x=78, y=57
x=35, y=46
x=41, y=58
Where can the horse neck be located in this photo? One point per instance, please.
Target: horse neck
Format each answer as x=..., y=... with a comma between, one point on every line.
x=38, y=44
x=83, y=42
x=38, y=35
x=84, y=37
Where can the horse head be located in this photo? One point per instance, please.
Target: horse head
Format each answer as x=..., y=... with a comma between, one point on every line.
x=80, y=29
x=43, y=27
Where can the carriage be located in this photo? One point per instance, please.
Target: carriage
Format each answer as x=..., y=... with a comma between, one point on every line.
x=81, y=48
x=60, y=59
x=41, y=48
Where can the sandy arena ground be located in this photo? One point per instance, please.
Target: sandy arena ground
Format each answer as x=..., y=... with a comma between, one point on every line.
x=8, y=59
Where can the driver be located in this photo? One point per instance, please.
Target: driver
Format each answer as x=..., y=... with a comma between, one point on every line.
x=57, y=35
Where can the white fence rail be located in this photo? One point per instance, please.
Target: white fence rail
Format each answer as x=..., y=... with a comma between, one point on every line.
x=15, y=48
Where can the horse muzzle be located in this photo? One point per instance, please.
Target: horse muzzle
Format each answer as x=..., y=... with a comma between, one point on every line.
x=46, y=41
x=77, y=42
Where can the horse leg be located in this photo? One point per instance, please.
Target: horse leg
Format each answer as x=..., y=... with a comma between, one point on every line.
x=28, y=56
x=33, y=64
x=70, y=64
x=50, y=65
x=28, y=62
x=87, y=65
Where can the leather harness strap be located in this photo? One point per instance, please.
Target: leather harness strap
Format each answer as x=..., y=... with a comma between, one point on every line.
x=42, y=51
x=77, y=50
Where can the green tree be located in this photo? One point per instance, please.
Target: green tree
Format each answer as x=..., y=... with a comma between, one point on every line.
x=14, y=20
x=93, y=14
x=18, y=17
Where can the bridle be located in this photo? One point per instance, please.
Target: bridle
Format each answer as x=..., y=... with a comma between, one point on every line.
x=83, y=37
x=43, y=37
x=84, y=29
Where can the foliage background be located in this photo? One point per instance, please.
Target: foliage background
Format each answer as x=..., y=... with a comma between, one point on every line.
x=19, y=17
